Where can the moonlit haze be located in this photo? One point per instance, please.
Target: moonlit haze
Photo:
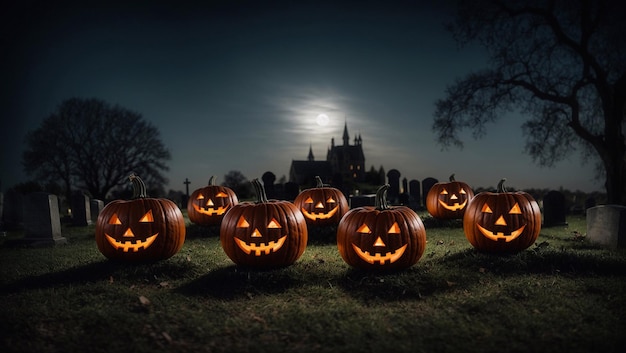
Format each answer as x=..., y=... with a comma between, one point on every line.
x=250, y=86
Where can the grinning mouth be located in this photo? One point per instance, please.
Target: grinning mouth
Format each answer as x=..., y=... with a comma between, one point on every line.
x=500, y=235
x=392, y=256
x=211, y=211
x=261, y=248
x=313, y=216
x=454, y=207
x=129, y=245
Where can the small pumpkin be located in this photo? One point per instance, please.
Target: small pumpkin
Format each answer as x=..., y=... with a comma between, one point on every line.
x=502, y=222
x=207, y=205
x=265, y=233
x=448, y=200
x=381, y=237
x=141, y=229
x=322, y=205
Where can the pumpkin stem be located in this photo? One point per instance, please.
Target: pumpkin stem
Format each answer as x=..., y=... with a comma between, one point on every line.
x=261, y=196
x=452, y=177
x=380, y=201
x=212, y=180
x=501, y=187
x=139, y=187
x=318, y=181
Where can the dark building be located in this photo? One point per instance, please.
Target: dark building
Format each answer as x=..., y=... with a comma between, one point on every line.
x=344, y=163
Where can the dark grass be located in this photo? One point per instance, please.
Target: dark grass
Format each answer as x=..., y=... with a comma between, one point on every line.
x=561, y=295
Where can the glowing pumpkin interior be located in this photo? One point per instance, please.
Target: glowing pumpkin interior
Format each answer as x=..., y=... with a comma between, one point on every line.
x=501, y=224
x=129, y=242
x=379, y=252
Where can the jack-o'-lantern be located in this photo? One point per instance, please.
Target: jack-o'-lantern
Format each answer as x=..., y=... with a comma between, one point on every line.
x=502, y=222
x=322, y=205
x=448, y=200
x=265, y=233
x=381, y=237
x=141, y=229
x=207, y=205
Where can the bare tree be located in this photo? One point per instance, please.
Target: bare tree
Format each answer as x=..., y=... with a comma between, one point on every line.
x=88, y=144
x=560, y=63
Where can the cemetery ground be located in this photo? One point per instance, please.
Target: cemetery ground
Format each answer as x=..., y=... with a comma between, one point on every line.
x=560, y=295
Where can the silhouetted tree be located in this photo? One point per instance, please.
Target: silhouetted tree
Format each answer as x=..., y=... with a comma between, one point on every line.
x=235, y=180
x=88, y=144
x=560, y=63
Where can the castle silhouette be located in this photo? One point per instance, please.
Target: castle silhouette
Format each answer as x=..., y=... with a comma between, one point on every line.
x=344, y=164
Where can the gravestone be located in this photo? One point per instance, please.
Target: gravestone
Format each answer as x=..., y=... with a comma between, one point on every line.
x=589, y=203
x=427, y=184
x=291, y=190
x=415, y=194
x=606, y=225
x=12, y=212
x=81, y=209
x=42, y=224
x=554, y=210
x=268, y=183
x=96, y=207
x=393, y=177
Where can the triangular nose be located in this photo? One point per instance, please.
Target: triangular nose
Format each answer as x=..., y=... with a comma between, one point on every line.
x=256, y=233
x=129, y=233
x=500, y=221
x=379, y=242
x=319, y=205
x=453, y=197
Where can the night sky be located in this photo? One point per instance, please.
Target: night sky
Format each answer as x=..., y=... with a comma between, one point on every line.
x=239, y=85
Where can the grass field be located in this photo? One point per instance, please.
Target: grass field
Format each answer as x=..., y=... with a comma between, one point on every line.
x=561, y=295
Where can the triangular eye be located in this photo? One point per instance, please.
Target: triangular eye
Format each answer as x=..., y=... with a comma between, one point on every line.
x=273, y=224
x=221, y=194
x=147, y=218
x=462, y=192
x=395, y=229
x=309, y=200
x=486, y=209
x=242, y=223
x=200, y=197
x=114, y=219
x=444, y=192
x=331, y=200
x=364, y=229
x=515, y=209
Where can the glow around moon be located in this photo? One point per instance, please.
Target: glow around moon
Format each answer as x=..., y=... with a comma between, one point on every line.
x=322, y=119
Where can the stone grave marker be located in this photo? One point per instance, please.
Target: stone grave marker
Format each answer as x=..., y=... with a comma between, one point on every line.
x=393, y=178
x=81, y=209
x=426, y=185
x=415, y=194
x=362, y=200
x=42, y=224
x=606, y=225
x=96, y=207
x=554, y=210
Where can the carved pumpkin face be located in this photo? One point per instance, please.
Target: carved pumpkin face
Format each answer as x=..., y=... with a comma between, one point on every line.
x=264, y=234
x=207, y=205
x=381, y=237
x=140, y=229
x=448, y=200
x=503, y=221
x=322, y=206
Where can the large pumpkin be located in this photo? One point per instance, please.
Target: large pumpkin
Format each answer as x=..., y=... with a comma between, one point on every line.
x=448, y=200
x=322, y=205
x=141, y=229
x=266, y=233
x=381, y=237
x=207, y=205
x=502, y=222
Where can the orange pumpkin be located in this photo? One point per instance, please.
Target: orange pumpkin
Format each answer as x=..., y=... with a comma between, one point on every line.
x=207, y=205
x=141, y=229
x=502, y=222
x=448, y=200
x=266, y=233
x=322, y=205
x=381, y=237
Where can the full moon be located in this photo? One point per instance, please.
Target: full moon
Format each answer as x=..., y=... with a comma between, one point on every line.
x=322, y=120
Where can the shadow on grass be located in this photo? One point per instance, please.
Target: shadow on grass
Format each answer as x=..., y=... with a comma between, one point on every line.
x=234, y=282
x=101, y=271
